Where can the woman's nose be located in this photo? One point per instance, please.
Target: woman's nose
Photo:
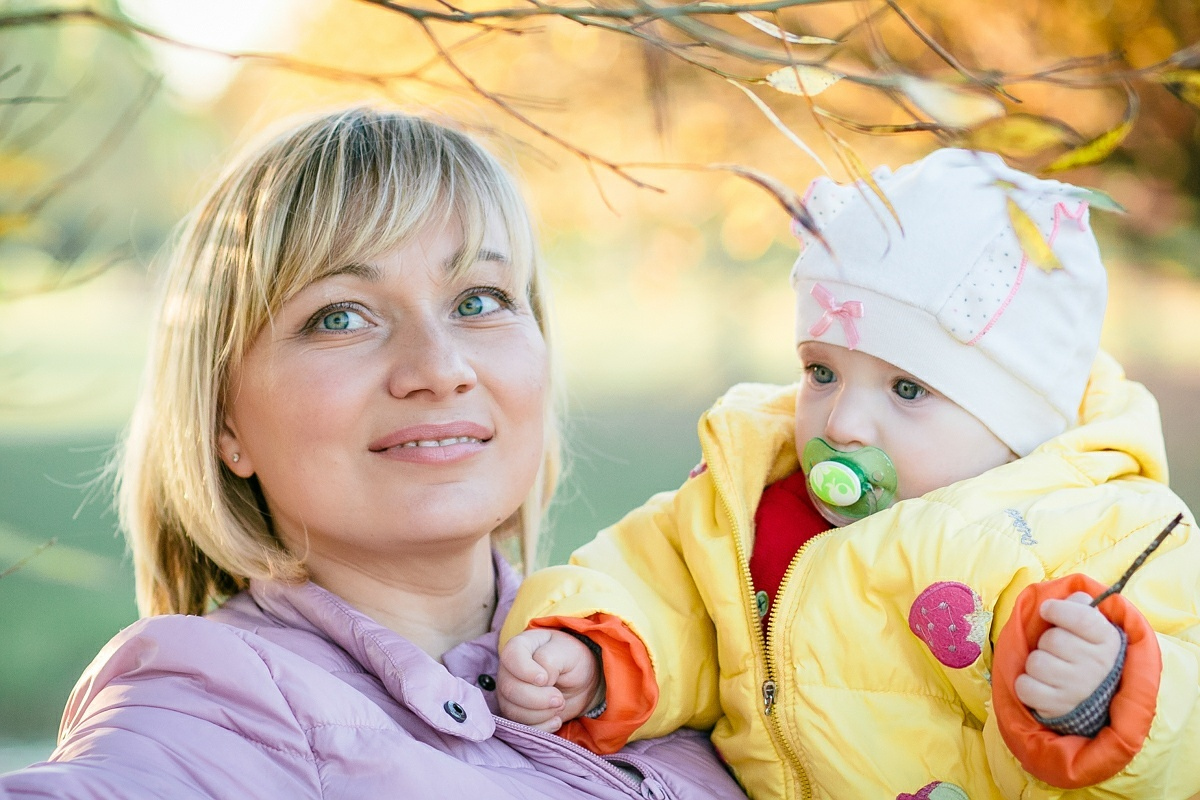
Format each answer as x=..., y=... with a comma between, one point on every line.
x=429, y=357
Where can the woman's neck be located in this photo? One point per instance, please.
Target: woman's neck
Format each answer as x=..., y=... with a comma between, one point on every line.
x=436, y=600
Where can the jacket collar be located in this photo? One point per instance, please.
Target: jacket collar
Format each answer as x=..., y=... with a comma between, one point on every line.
x=408, y=674
x=748, y=438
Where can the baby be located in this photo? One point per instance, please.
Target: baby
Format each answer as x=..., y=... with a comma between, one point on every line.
x=837, y=590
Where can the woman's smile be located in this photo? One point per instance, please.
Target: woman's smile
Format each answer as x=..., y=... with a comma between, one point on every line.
x=434, y=444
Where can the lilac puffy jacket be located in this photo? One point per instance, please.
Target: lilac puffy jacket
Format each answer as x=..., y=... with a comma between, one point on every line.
x=288, y=692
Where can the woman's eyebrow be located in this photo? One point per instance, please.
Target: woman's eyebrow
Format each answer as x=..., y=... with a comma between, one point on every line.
x=357, y=269
x=372, y=274
x=483, y=254
x=493, y=255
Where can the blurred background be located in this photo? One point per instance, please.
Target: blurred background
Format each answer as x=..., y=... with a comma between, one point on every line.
x=666, y=295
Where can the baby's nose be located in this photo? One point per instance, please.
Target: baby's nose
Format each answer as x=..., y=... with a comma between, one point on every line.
x=850, y=424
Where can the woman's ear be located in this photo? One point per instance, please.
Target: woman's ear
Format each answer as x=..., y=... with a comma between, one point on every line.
x=236, y=460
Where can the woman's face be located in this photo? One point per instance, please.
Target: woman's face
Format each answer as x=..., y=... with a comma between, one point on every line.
x=393, y=409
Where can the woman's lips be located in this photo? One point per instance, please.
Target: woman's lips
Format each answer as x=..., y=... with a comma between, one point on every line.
x=433, y=443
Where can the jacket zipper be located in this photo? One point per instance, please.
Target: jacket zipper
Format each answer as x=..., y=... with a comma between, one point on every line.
x=770, y=686
x=602, y=764
x=771, y=623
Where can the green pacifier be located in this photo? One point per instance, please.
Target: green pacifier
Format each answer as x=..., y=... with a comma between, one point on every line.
x=846, y=486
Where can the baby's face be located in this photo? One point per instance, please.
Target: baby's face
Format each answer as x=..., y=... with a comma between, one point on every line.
x=852, y=400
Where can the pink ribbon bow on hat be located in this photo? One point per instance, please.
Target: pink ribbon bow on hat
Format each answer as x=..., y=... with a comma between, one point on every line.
x=844, y=313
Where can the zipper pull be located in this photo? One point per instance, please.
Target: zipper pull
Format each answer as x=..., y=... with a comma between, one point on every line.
x=768, y=690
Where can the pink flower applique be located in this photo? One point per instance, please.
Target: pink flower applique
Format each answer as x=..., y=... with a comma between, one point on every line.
x=938, y=790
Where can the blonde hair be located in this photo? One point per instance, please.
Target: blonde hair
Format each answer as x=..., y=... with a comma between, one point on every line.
x=336, y=188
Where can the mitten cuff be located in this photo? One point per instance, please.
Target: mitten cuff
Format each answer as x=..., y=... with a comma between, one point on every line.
x=1072, y=762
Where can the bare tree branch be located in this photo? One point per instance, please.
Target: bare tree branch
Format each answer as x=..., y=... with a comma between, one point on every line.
x=944, y=54
x=107, y=143
x=588, y=157
x=701, y=35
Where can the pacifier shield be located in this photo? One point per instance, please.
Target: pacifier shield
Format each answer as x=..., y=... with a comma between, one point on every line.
x=847, y=485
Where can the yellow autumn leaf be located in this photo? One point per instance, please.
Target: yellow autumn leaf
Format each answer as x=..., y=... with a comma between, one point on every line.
x=1032, y=242
x=1019, y=135
x=783, y=194
x=10, y=223
x=1101, y=147
x=1095, y=198
x=18, y=171
x=779, y=124
x=856, y=167
x=803, y=80
x=877, y=129
x=771, y=29
x=1183, y=83
x=949, y=105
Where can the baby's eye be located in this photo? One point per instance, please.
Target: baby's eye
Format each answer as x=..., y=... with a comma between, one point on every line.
x=343, y=319
x=477, y=304
x=820, y=373
x=908, y=390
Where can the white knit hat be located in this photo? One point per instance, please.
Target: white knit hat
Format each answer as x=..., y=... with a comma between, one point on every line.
x=954, y=300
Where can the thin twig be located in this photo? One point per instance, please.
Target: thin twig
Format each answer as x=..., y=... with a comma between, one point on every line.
x=435, y=60
x=844, y=36
x=125, y=27
x=37, y=551
x=945, y=54
x=107, y=143
x=526, y=121
x=8, y=116
x=669, y=12
x=1137, y=562
x=52, y=119
x=28, y=100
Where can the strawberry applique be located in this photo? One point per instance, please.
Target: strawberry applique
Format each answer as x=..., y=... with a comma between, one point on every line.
x=949, y=618
x=938, y=790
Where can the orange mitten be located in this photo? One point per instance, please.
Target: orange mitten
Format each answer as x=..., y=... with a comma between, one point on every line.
x=1071, y=762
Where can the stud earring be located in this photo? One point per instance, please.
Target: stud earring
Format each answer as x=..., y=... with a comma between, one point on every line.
x=236, y=457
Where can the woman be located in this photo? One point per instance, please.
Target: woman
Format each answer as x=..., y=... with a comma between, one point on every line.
x=349, y=403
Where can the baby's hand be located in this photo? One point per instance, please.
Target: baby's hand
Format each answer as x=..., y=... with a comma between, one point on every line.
x=548, y=677
x=1072, y=659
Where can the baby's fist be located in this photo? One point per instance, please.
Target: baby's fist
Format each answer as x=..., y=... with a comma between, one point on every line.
x=1072, y=658
x=547, y=677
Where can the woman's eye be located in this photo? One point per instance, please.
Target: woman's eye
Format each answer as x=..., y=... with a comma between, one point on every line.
x=908, y=390
x=478, y=304
x=820, y=373
x=342, y=319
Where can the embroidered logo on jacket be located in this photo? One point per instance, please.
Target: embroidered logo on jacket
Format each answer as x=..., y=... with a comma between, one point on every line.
x=1022, y=527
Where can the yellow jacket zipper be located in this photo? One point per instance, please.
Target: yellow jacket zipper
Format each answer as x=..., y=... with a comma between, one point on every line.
x=770, y=686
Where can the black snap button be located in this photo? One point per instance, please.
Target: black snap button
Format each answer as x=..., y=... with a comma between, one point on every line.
x=486, y=682
x=456, y=712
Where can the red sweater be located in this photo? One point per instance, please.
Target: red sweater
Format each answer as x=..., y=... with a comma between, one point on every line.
x=784, y=521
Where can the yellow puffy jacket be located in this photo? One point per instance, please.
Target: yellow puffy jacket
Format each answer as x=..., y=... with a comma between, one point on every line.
x=842, y=700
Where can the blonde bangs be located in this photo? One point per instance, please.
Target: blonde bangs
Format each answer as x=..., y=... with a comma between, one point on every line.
x=367, y=187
